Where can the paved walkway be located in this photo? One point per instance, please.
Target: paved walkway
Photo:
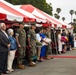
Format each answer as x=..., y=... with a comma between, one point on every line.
x=56, y=66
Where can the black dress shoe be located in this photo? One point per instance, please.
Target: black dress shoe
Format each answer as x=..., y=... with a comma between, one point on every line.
x=39, y=60
x=52, y=58
x=7, y=72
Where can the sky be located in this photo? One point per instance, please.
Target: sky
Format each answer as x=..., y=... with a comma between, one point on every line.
x=66, y=6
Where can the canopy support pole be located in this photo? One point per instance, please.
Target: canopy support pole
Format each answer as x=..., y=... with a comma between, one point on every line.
x=55, y=42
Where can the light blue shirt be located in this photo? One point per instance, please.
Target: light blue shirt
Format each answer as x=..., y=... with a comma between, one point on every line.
x=38, y=37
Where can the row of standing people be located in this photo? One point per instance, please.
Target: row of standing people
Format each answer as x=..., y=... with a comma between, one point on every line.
x=9, y=45
x=65, y=41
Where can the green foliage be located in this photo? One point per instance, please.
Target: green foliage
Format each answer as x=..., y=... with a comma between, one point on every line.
x=74, y=20
x=56, y=16
x=75, y=12
x=71, y=12
x=40, y=4
x=58, y=10
x=63, y=18
x=74, y=27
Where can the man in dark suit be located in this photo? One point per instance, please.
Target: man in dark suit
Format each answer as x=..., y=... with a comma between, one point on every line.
x=4, y=48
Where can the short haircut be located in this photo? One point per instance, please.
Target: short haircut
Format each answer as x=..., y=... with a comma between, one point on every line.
x=63, y=30
x=9, y=31
x=1, y=24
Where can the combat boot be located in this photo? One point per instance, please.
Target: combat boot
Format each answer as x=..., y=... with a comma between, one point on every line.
x=24, y=66
x=32, y=64
x=21, y=67
x=49, y=57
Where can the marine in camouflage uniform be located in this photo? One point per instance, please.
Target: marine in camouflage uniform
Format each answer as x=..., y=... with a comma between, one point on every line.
x=32, y=44
x=49, y=50
x=21, y=40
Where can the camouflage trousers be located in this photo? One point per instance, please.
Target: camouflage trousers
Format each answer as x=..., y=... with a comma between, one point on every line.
x=48, y=50
x=21, y=54
x=32, y=53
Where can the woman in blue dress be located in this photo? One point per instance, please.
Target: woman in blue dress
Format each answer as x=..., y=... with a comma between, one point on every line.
x=43, y=48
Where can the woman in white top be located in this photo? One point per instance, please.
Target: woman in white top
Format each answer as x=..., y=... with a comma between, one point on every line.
x=59, y=42
x=38, y=44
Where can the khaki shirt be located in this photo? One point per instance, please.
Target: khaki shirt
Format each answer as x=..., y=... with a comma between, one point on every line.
x=32, y=36
x=48, y=34
x=21, y=37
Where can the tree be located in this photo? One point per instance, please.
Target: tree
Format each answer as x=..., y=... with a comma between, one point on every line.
x=49, y=9
x=56, y=16
x=63, y=18
x=71, y=13
x=75, y=28
x=40, y=4
x=75, y=12
x=74, y=20
x=58, y=10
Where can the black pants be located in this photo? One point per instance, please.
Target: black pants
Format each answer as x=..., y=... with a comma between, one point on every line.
x=3, y=62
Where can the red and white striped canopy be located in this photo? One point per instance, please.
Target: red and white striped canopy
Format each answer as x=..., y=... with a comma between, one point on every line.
x=9, y=16
x=41, y=14
x=26, y=13
x=16, y=11
x=38, y=18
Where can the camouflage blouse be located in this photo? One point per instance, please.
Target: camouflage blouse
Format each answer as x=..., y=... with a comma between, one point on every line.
x=32, y=36
x=21, y=36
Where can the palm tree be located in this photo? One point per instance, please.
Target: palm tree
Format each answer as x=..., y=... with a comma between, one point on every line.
x=74, y=20
x=58, y=10
x=75, y=12
x=56, y=16
x=63, y=18
x=71, y=13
